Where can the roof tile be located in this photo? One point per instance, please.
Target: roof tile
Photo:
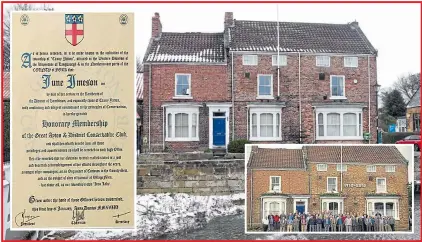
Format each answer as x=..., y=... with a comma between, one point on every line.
x=276, y=158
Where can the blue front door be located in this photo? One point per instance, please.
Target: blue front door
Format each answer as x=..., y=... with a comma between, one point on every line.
x=300, y=207
x=219, y=132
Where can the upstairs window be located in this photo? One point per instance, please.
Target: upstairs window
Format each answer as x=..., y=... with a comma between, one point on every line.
x=250, y=60
x=331, y=184
x=282, y=60
x=341, y=167
x=265, y=86
x=183, y=85
x=322, y=167
x=390, y=168
x=371, y=168
x=350, y=61
x=323, y=61
x=381, y=185
x=275, y=183
x=337, y=87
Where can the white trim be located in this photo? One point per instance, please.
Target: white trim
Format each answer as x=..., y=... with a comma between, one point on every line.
x=268, y=200
x=283, y=58
x=188, y=96
x=324, y=169
x=393, y=168
x=218, y=107
x=318, y=63
x=271, y=183
x=258, y=112
x=336, y=191
x=344, y=87
x=370, y=170
x=339, y=200
x=300, y=199
x=255, y=57
x=271, y=95
x=354, y=58
x=376, y=184
x=173, y=110
x=383, y=200
x=327, y=110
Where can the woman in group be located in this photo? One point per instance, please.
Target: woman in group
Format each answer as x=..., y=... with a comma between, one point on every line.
x=265, y=224
x=303, y=223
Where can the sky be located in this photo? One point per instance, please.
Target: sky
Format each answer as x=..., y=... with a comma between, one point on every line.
x=405, y=150
x=393, y=29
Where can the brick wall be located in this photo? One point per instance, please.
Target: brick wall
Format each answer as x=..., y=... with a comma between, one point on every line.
x=208, y=83
x=409, y=117
x=292, y=182
x=205, y=177
x=312, y=91
x=354, y=201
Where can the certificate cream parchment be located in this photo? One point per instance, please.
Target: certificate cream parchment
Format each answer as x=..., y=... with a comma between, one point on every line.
x=72, y=120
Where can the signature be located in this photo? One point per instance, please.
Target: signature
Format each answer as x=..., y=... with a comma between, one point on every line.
x=78, y=215
x=21, y=219
x=120, y=215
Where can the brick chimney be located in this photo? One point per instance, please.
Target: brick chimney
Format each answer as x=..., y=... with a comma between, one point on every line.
x=354, y=25
x=228, y=20
x=156, y=26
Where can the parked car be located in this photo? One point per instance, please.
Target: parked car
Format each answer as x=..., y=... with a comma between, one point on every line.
x=415, y=140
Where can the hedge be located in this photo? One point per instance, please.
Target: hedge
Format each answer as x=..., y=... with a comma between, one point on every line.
x=237, y=146
x=391, y=138
x=6, y=130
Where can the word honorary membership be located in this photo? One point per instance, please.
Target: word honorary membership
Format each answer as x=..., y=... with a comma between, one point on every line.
x=75, y=124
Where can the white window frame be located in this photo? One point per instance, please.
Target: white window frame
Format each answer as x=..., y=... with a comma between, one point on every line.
x=376, y=184
x=352, y=60
x=322, y=167
x=258, y=96
x=187, y=96
x=258, y=111
x=323, y=61
x=339, y=201
x=371, y=168
x=370, y=207
x=336, y=191
x=173, y=110
x=344, y=87
x=271, y=183
x=254, y=58
x=282, y=61
x=341, y=111
x=344, y=167
x=390, y=168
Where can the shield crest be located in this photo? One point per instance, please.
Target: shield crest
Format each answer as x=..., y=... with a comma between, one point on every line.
x=74, y=30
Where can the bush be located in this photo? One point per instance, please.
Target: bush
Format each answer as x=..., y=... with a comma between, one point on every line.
x=237, y=146
x=6, y=120
x=391, y=138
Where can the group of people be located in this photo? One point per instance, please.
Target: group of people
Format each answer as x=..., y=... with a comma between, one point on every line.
x=328, y=222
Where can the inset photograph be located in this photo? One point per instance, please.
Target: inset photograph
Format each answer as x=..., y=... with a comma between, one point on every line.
x=329, y=188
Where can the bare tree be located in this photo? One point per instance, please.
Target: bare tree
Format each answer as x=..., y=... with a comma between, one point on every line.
x=6, y=25
x=407, y=85
x=138, y=64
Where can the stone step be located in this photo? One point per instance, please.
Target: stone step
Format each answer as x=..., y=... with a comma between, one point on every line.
x=220, y=152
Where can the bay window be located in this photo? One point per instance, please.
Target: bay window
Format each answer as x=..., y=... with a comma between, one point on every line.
x=339, y=124
x=273, y=206
x=265, y=124
x=182, y=123
x=384, y=206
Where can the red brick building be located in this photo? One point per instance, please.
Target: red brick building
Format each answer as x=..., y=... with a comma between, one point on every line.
x=229, y=85
x=339, y=179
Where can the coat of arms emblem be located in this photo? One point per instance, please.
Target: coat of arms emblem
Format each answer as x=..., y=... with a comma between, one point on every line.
x=74, y=30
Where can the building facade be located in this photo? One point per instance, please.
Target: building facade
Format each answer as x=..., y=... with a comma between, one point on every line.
x=413, y=113
x=340, y=179
x=266, y=82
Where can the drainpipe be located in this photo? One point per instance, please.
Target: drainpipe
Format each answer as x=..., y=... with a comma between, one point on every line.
x=369, y=106
x=251, y=206
x=300, y=109
x=341, y=165
x=278, y=55
x=164, y=128
x=149, y=108
x=232, y=100
x=315, y=121
x=247, y=124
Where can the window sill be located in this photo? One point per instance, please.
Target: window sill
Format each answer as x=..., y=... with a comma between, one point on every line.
x=265, y=97
x=182, y=97
x=265, y=139
x=351, y=66
x=182, y=139
x=338, y=98
x=334, y=138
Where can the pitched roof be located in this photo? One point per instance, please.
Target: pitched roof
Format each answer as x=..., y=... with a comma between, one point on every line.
x=276, y=158
x=187, y=47
x=355, y=154
x=6, y=85
x=415, y=101
x=299, y=37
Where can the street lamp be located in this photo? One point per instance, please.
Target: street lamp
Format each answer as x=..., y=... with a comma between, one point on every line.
x=377, y=89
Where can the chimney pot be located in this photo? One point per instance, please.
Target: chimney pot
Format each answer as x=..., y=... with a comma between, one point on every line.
x=156, y=26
